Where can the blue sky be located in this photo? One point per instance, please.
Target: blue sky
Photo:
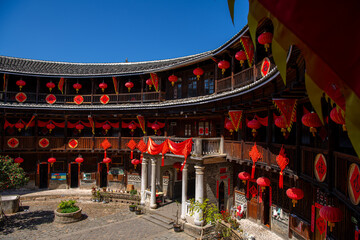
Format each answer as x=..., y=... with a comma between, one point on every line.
x=113, y=30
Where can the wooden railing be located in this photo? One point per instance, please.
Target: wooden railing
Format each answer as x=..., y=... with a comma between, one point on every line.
x=88, y=99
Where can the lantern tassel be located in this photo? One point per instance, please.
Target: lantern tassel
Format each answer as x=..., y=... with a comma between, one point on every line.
x=260, y=195
x=107, y=167
x=281, y=180
x=141, y=158
x=132, y=154
x=172, y=83
x=241, y=62
x=223, y=71
x=331, y=225
x=294, y=201
x=253, y=171
x=135, y=167
x=344, y=127
x=313, y=131
x=198, y=77
x=162, y=160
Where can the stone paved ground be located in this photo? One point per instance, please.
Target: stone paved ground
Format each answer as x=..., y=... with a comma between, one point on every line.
x=102, y=221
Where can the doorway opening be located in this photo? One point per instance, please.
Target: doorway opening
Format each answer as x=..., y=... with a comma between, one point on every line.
x=222, y=197
x=43, y=175
x=74, y=175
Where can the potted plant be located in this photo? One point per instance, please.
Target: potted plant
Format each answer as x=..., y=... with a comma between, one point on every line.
x=177, y=226
x=67, y=212
x=138, y=210
x=132, y=207
x=98, y=196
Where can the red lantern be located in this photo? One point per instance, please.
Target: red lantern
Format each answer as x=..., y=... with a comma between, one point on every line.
x=331, y=215
x=106, y=127
x=295, y=194
x=265, y=39
x=337, y=116
x=229, y=126
x=281, y=123
x=173, y=79
x=155, y=127
x=177, y=166
x=311, y=120
x=19, y=126
x=254, y=125
x=20, y=83
x=149, y=83
x=241, y=56
x=52, y=160
x=244, y=176
x=198, y=72
x=18, y=160
x=50, y=85
x=223, y=65
x=50, y=126
x=77, y=87
x=132, y=127
x=79, y=127
x=129, y=85
x=79, y=159
x=103, y=86
x=263, y=182
x=135, y=162
x=107, y=160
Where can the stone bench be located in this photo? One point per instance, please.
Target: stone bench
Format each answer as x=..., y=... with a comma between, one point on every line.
x=10, y=204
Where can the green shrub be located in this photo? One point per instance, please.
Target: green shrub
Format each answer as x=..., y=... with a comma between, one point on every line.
x=11, y=175
x=133, y=192
x=68, y=206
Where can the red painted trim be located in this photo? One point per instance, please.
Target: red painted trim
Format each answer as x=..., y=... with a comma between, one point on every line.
x=223, y=177
x=312, y=218
x=222, y=170
x=217, y=189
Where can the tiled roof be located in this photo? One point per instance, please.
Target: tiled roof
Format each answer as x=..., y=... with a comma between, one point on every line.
x=66, y=69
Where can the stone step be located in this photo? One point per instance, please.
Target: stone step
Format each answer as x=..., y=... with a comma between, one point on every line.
x=158, y=222
x=162, y=218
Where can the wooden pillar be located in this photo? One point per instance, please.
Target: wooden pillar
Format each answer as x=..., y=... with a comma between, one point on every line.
x=36, y=133
x=232, y=72
x=37, y=90
x=6, y=87
x=92, y=90
x=331, y=146
x=119, y=136
x=216, y=77
x=166, y=127
x=243, y=130
x=65, y=132
x=142, y=88
x=159, y=89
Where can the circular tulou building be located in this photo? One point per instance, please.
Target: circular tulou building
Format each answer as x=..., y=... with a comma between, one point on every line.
x=222, y=125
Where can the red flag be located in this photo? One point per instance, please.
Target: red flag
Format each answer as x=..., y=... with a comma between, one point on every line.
x=91, y=121
x=141, y=123
x=155, y=81
x=235, y=117
x=249, y=48
x=115, y=82
x=28, y=124
x=61, y=85
x=287, y=108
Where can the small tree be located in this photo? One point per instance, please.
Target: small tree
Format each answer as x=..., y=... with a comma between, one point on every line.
x=11, y=175
x=209, y=212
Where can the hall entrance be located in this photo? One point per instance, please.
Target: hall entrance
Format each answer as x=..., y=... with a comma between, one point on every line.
x=43, y=174
x=101, y=178
x=74, y=175
x=222, y=206
x=265, y=206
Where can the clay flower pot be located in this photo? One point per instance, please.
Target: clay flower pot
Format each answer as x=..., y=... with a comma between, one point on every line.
x=67, y=217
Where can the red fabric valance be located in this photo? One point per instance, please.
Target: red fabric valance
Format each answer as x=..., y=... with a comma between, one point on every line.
x=149, y=124
x=8, y=124
x=262, y=121
x=43, y=123
x=126, y=125
x=113, y=125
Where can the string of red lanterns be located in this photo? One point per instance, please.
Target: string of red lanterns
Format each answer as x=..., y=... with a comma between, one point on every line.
x=295, y=194
x=311, y=120
x=106, y=127
x=241, y=56
x=244, y=176
x=21, y=83
x=50, y=126
x=149, y=83
x=173, y=79
x=77, y=87
x=79, y=127
x=50, y=85
x=254, y=125
x=198, y=72
x=337, y=116
x=223, y=65
x=129, y=85
x=265, y=39
x=135, y=162
x=103, y=86
x=19, y=126
x=52, y=160
x=331, y=215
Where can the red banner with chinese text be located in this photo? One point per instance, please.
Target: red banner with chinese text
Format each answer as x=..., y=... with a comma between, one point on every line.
x=155, y=81
x=235, y=117
x=141, y=123
x=287, y=108
x=115, y=82
x=248, y=46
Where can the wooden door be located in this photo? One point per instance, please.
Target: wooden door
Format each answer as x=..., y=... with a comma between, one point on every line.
x=252, y=207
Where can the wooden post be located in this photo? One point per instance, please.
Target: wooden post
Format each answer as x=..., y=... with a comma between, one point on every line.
x=331, y=146
x=159, y=89
x=216, y=77
x=119, y=136
x=166, y=127
x=65, y=132
x=269, y=127
x=232, y=72
x=37, y=90
x=92, y=90
x=297, y=160
x=36, y=134
x=6, y=86
x=142, y=88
